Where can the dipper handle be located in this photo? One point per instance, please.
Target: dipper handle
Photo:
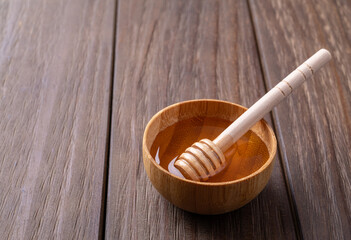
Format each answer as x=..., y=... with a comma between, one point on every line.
x=205, y=158
x=240, y=126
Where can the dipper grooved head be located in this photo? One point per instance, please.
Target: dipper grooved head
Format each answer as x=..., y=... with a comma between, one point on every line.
x=201, y=161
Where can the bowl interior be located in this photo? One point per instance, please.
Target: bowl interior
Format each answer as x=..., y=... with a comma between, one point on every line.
x=206, y=108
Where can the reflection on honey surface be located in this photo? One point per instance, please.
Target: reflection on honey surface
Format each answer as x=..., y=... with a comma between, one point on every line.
x=246, y=156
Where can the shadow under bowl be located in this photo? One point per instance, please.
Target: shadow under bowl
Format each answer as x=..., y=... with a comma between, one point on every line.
x=206, y=197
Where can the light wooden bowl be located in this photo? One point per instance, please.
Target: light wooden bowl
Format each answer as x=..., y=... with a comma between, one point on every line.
x=206, y=197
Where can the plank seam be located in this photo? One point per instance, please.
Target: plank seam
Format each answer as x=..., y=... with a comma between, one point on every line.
x=276, y=126
x=104, y=198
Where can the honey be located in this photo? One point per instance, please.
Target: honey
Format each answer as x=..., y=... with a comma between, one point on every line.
x=245, y=157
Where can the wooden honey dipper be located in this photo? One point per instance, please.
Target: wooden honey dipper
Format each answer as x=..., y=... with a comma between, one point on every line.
x=205, y=158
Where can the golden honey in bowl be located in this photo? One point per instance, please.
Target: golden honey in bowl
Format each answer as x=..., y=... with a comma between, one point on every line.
x=245, y=157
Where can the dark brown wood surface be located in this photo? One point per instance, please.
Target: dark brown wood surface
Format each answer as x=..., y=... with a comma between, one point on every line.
x=170, y=51
x=79, y=80
x=55, y=77
x=313, y=125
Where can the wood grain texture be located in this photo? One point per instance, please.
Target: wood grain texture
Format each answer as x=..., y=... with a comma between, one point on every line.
x=314, y=124
x=55, y=75
x=169, y=51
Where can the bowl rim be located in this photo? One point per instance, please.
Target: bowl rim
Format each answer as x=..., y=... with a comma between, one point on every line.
x=258, y=171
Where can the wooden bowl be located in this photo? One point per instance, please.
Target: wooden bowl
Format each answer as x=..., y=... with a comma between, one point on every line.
x=206, y=197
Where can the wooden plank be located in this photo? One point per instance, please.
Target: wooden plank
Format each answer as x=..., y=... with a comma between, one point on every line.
x=55, y=77
x=170, y=51
x=313, y=124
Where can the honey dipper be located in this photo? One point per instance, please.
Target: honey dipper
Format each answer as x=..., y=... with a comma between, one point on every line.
x=205, y=158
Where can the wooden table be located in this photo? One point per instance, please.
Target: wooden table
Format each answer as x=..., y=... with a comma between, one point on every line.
x=79, y=81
